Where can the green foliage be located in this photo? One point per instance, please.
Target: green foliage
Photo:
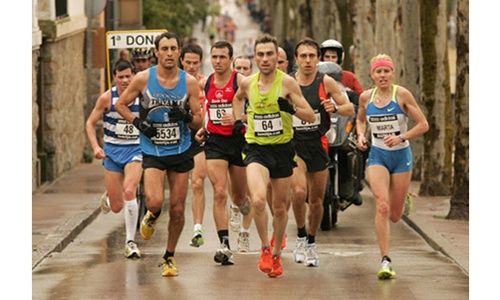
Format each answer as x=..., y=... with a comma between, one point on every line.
x=178, y=16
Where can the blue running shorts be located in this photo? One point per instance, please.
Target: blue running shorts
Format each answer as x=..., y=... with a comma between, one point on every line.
x=397, y=161
x=118, y=156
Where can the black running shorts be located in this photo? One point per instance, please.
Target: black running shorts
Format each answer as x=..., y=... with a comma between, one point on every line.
x=228, y=148
x=312, y=153
x=278, y=159
x=180, y=163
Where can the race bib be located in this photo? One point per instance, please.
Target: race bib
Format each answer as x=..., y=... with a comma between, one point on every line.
x=166, y=134
x=216, y=111
x=384, y=125
x=125, y=130
x=267, y=125
x=301, y=125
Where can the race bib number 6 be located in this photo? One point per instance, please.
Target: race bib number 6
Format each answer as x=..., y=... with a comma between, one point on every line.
x=217, y=111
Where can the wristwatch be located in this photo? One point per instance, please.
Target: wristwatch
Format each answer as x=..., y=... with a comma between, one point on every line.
x=402, y=137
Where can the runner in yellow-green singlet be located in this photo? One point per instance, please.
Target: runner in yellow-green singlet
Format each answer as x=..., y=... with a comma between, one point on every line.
x=273, y=97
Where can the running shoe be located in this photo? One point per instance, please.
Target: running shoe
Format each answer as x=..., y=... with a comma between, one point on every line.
x=312, y=258
x=131, y=250
x=408, y=203
x=234, y=221
x=245, y=208
x=277, y=269
x=266, y=260
x=197, y=239
x=299, y=253
x=224, y=255
x=244, y=242
x=104, y=203
x=283, y=242
x=147, y=226
x=386, y=271
x=169, y=267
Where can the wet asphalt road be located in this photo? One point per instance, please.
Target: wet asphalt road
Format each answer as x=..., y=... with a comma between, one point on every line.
x=93, y=266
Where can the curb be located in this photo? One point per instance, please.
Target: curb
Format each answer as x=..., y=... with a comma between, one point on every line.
x=435, y=242
x=63, y=235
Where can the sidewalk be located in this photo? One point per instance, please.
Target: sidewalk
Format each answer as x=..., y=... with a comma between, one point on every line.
x=451, y=237
x=62, y=209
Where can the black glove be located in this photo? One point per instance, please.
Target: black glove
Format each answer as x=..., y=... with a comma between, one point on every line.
x=176, y=114
x=238, y=128
x=145, y=127
x=286, y=106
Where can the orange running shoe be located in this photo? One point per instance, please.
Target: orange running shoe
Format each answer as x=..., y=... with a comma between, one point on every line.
x=277, y=269
x=283, y=242
x=266, y=260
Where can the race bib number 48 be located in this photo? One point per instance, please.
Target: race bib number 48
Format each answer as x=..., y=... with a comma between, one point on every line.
x=166, y=134
x=126, y=131
x=267, y=125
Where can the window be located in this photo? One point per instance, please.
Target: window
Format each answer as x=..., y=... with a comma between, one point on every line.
x=61, y=9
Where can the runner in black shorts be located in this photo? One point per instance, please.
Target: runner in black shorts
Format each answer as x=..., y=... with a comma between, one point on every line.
x=309, y=178
x=191, y=60
x=169, y=110
x=222, y=149
x=273, y=97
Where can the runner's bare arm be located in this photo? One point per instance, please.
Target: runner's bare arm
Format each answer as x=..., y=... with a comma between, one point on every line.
x=292, y=92
x=239, y=99
x=101, y=106
x=361, y=120
x=135, y=88
x=194, y=104
x=411, y=107
x=344, y=106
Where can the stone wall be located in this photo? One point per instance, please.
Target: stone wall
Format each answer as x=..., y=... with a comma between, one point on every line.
x=64, y=97
x=35, y=119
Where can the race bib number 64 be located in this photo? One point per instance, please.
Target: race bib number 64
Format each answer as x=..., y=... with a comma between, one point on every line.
x=267, y=125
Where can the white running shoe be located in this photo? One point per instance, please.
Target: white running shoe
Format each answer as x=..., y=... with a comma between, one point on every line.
x=131, y=250
x=299, y=253
x=197, y=239
x=235, y=218
x=244, y=242
x=224, y=255
x=104, y=203
x=312, y=258
x=386, y=271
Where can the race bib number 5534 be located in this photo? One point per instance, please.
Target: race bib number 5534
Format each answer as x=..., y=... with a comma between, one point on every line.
x=166, y=134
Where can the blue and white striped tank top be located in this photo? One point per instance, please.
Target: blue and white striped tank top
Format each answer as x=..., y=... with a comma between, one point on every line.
x=387, y=120
x=116, y=129
x=172, y=138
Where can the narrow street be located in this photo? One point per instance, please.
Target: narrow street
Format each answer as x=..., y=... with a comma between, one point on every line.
x=93, y=266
